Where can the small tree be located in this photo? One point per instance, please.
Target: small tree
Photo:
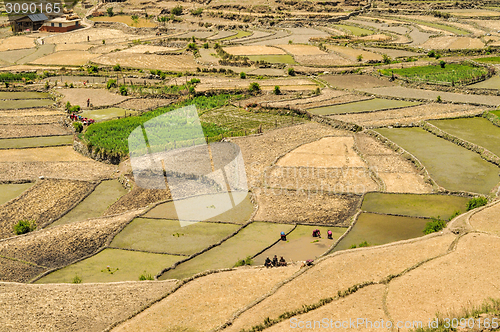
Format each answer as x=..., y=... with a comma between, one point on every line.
x=24, y=226
x=111, y=84
x=431, y=54
x=442, y=63
x=476, y=202
x=360, y=58
x=243, y=75
x=438, y=99
x=205, y=46
x=110, y=11
x=68, y=106
x=254, y=87
x=277, y=90
x=117, y=67
x=434, y=226
x=386, y=59
x=123, y=90
x=47, y=85
x=291, y=71
x=78, y=127
x=177, y=10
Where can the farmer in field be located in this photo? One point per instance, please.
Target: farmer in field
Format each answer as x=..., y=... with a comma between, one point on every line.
x=283, y=236
x=282, y=261
x=275, y=261
x=88, y=102
x=268, y=263
x=330, y=235
x=316, y=233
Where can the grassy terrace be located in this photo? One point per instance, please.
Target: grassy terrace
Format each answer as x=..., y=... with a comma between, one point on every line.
x=444, y=27
x=450, y=73
x=493, y=59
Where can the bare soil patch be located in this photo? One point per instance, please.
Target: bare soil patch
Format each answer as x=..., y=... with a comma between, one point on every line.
x=43, y=202
x=148, y=48
x=144, y=104
x=397, y=173
x=356, y=81
x=339, y=272
x=66, y=58
x=393, y=53
x=222, y=294
x=352, y=54
x=304, y=207
x=301, y=49
x=98, y=97
x=327, y=97
x=96, y=35
x=16, y=43
x=462, y=278
x=210, y=83
x=87, y=307
x=52, y=119
x=149, y=61
x=409, y=115
x=16, y=271
x=453, y=43
x=138, y=198
x=486, y=220
x=253, y=50
x=33, y=130
x=326, y=60
x=73, y=47
x=65, y=153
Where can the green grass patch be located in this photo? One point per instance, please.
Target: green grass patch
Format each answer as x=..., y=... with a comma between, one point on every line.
x=492, y=59
x=497, y=113
x=247, y=242
x=476, y=202
x=124, y=265
x=33, y=142
x=239, y=214
x=12, y=190
x=162, y=235
x=11, y=77
x=363, y=106
x=377, y=229
x=477, y=130
x=111, y=136
x=240, y=34
x=490, y=83
x=414, y=205
x=23, y=95
x=94, y=205
x=24, y=103
x=434, y=226
x=273, y=58
x=105, y=114
x=452, y=72
x=451, y=166
x=139, y=22
x=444, y=27
x=353, y=30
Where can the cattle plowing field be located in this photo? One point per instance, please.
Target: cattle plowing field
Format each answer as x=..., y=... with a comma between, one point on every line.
x=219, y=166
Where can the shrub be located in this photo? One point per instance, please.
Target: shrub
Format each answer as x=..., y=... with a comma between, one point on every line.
x=24, y=226
x=110, y=11
x=117, y=67
x=111, y=84
x=363, y=244
x=135, y=18
x=254, y=87
x=431, y=54
x=197, y=12
x=438, y=56
x=317, y=91
x=177, y=10
x=291, y=71
x=434, y=226
x=93, y=69
x=442, y=63
x=455, y=214
x=68, y=106
x=277, y=90
x=243, y=75
x=205, y=46
x=77, y=280
x=192, y=46
x=359, y=58
x=47, y=85
x=78, y=127
x=386, y=59
x=195, y=81
x=103, y=41
x=123, y=90
x=74, y=109
x=476, y=202
x=438, y=99
x=71, y=86
x=191, y=90
x=246, y=261
x=146, y=276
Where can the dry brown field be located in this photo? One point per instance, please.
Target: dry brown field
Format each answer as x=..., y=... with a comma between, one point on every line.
x=149, y=61
x=66, y=58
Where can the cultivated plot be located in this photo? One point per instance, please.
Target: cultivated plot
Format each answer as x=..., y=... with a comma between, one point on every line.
x=452, y=167
x=9, y=191
x=443, y=206
x=31, y=142
x=370, y=105
x=248, y=242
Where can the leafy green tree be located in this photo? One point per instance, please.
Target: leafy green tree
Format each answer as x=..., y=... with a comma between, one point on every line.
x=277, y=90
x=254, y=87
x=110, y=11
x=243, y=75
x=177, y=10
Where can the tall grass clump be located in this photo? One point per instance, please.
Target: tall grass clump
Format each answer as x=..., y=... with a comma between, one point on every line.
x=24, y=226
x=434, y=226
x=476, y=202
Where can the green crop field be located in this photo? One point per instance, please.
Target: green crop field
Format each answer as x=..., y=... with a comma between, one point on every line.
x=124, y=265
x=362, y=106
x=248, y=242
x=12, y=190
x=377, y=229
x=105, y=194
x=167, y=236
x=451, y=166
x=414, y=205
x=24, y=103
x=34, y=142
x=479, y=131
x=24, y=95
x=112, y=136
x=104, y=114
x=492, y=59
x=353, y=30
x=452, y=72
x=240, y=34
x=273, y=58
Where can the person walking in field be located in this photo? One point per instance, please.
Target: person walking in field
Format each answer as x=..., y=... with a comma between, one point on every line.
x=88, y=102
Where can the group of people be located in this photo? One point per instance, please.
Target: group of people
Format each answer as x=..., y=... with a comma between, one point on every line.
x=85, y=121
x=275, y=262
x=317, y=233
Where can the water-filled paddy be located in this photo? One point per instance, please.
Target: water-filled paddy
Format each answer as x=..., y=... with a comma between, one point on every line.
x=490, y=83
x=377, y=229
x=248, y=242
x=479, y=131
x=24, y=103
x=300, y=244
x=451, y=166
x=12, y=190
x=33, y=142
x=239, y=214
x=105, y=194
x=167, y=236
x=104, y=114
x=362, y=106
x=273, y=58
x=414, y=205
x=125, y=265
x=24, y=95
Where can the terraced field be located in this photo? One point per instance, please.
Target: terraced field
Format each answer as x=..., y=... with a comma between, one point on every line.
x=12, y=190
x=452, y=167
x=371, y=105
x=18, y=143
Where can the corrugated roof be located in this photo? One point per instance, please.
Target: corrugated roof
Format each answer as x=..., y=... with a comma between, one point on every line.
x=38, y=17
